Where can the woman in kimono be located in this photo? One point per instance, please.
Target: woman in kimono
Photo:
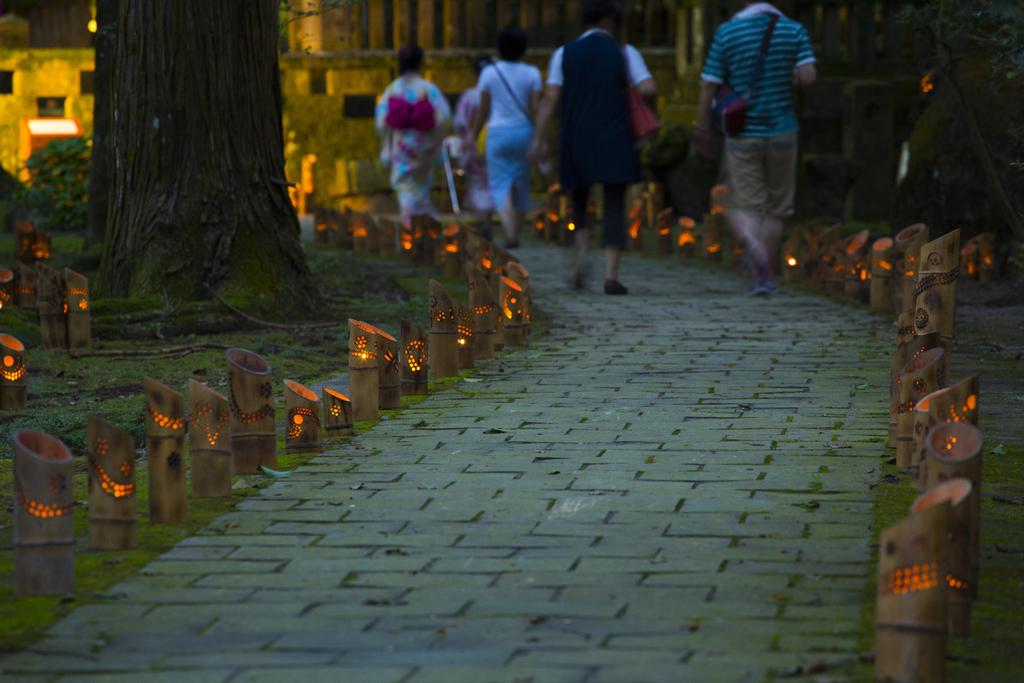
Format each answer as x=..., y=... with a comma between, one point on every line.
x=413, y=118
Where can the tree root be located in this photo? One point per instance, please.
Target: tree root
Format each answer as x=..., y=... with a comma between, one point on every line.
x=266, y=323
x=182, y=350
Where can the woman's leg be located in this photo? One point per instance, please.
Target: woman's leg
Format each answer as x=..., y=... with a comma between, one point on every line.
x=510, y=218
x=614, y=229
x=580, y=197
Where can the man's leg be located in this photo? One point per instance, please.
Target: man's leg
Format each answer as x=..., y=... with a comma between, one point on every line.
x=614, y=230
x=580, y=196
x=744, y=159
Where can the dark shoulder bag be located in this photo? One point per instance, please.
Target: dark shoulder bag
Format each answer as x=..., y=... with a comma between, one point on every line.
x=729, y=108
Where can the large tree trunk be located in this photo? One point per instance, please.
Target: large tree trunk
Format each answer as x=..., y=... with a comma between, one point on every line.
x=100, y=174
x=200, y=199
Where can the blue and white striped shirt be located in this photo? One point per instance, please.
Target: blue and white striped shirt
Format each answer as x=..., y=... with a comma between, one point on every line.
x=733, y=56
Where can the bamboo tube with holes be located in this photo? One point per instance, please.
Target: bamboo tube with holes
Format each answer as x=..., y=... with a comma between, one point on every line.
x=79, y=320
x=250, y=396
x=165, y=453
x=113, y=513
x=465, y=337
x=512, y=306
x=910, y=603
x=635, y=225
x=986, y=242
x=6, y=288
x=908, y=347
x=954, y=452
x=359, y=225
x=389, y=374
x=485, y=314
x=880, y=292
x=363, y=373
x=302, y=407
x=407, y=242
x=337, y=413
x=957, y=548
x=517, y=272
x=451, y=250
x=663, y=225
x=686, y=236
x=26, y=286
x=52, y=307
x=952, y=404
x=444, y=348
x=821, y=249
x=414, y=360
x=13, y=371
x=712, y=236
x=426, y=231
x=935, y=294
x=918, y=378
x=44, y=530
x=209, y=438
x=906, y=248
x=854, y=259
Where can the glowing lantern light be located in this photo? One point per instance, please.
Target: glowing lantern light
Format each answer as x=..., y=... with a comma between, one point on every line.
x=79, y=320
x=485, y=314
x=302, y=407
x=935, y=293
x=363, y=370
x=511, y=299
x=389, y=383
x=165, y=453
x=414, y=360
x=337, y=412
x=250, y=392
x=209, y=441
x=13, y=384
x=906, y=246
x=918, y=378
x=113, y=516
x=950, y=405
x=444, y=348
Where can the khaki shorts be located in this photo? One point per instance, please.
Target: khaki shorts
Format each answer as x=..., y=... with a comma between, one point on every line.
x=761, y=174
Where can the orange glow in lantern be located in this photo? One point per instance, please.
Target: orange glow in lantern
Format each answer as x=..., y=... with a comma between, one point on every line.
x=714, y=248
x=572, y=227
x=927, y=84
x=791, y=262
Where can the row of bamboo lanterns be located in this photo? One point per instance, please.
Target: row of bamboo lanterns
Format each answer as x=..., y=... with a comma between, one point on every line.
x=62, y=300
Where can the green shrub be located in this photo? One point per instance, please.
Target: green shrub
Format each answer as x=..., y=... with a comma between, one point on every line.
x=57, y=194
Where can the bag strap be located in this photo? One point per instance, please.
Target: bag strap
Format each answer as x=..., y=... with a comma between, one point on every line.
x=519, y=105
x=762, y=54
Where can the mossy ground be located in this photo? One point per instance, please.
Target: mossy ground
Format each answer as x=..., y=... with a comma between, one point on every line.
x=62, y=390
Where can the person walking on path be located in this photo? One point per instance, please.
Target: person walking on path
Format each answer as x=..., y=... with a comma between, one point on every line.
x=509, y=92
x=591, y=78
x=760, y=162
x=473, y=164
x=412, y=120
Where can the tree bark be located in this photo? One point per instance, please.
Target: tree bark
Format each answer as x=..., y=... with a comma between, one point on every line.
x=100, y=174
x=200, y=198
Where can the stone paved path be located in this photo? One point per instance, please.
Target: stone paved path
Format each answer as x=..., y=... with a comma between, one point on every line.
x=670, y=486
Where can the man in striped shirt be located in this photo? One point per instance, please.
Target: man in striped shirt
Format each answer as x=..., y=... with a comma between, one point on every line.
x=761, y=161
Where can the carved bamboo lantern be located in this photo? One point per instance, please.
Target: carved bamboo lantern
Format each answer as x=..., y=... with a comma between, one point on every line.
x=792, y=258
x=907, y=247
x=209, y=437
x=822, y=245
x=31, y=245
x=6, y=288
x=539, y=222
x=635, y=225
x=44, y=539
x=663, y=226
x=485, y=314
x=250, y=392
x=451, y=251
x=113, y=513
x=880, y=297
x=52, y=308
x=986, y=242
x=512, y=304
x=953, y=404
x=969, y=260
x=686, y=237
x=444, y=348
x=79, y=319
x=552, y=213
x=954, y=452
x=360, y=227
x=414, y=360
x=303, y=411
x=517, y=272
x=26, y=284
x=908, y=347
x=363, y=373
x=465, y=336
x=957, y=546
x=337, y=413
x=712, y=236
x=910, y=604
x=389, y=382
x=935, y=294
x=407, y=242
x=13, y=385
x=165, y=453
x=918, y=378
x=854, y=259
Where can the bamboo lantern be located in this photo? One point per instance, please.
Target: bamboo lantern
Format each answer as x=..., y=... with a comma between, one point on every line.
x=857, y=269
x=909, y=346
x=636, y=218
x=363, y=373
x=113, y=515
x=907, y=246
x=822, y=246
x=969, y=260
x=663, y=224
x=712, y=236
x=444, y=348
x=512, y=300
x=389, y=382
x=414, y=360
x=517, y=272
x=25, y=286
x=6, y=288
x=52, y=308
x=654, y=203
x=539, y=222
x=954, y=452
x=250, y=392
x=910, y=602
x=935, y=294
x=325, y=226
x=165, y=449
x=79, y=320
x=44, y=534
x=485, y=314
x=30, y=244
x=303, y=410
x=406, y=243
x=955, y=403
x=13, y=385
x=465, y=336
x=552, y=213
x=389, y=231
x=567, y=225
x=918, y=378
x=791, y=258
x=880, y=296
x=451, y=251
x=986, y=242
x=426, y=232
x=360, y=233
x=337, y=413
x=209, y=440
x=957, y=546
x=686, y=238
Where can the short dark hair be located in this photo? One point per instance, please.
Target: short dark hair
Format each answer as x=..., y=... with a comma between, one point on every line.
x=410, y=58
x=512, y=43
x=596, y=11
x=480, y=62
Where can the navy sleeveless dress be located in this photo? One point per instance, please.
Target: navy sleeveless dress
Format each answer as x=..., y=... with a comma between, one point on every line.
x=597, y=139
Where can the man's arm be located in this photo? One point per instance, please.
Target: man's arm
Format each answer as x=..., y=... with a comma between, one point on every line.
x=552, y=95
x=647, y=88
x=805, y=75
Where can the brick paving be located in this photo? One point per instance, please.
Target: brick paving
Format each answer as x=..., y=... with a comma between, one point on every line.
x=670, y=486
